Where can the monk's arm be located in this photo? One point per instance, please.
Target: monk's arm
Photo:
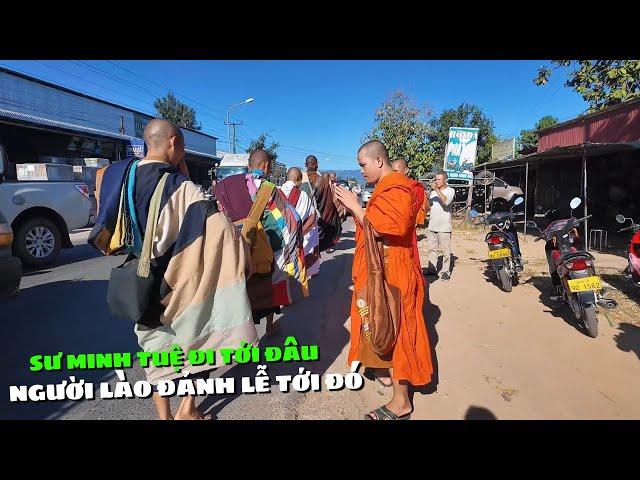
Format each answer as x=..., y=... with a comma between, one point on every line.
x=359, y=213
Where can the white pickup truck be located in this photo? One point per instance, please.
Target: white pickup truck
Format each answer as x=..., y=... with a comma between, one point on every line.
x=41, y=214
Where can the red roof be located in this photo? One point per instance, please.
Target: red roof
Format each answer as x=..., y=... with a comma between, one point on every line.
x=617, y=124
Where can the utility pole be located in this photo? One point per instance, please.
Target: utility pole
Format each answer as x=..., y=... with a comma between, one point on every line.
x=232, y=135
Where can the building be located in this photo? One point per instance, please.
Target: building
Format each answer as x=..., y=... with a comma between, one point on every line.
x=595, y=157
x=43, y=122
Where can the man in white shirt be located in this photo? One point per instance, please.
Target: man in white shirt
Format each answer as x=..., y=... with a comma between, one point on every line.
x=439, y=228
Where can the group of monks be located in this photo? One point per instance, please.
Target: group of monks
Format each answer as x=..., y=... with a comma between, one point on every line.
x=396, y=209
x=256, y=246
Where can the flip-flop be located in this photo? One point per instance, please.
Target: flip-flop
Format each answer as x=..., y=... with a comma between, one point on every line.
x=383, y=413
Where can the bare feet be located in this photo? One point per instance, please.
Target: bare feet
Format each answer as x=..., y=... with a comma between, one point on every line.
x=191, y=414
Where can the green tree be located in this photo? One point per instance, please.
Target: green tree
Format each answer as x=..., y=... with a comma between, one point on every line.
x=178, y=113
x=601, y=83
x=261, y=142
x=402, y=127
x=529, y=138
x=465, y=115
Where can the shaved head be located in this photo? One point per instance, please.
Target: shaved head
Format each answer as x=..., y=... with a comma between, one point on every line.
x=311, y=163
x=400, y=165
x=259, y=160
x=374, y=149
x=294, y=175
x=164, y=140
x=373, y=159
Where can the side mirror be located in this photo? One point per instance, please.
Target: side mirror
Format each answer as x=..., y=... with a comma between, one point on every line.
x=519, y=201
x=620, y=218
x=575, y=203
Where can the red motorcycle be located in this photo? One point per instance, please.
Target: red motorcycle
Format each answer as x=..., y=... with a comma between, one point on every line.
x=634, y=248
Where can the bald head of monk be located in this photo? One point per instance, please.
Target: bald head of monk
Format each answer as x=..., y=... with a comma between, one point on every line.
x=311, y=163
x=400, y=165
x=259, y=159
x=164, y=141
x=294, y=175
x=373, y=159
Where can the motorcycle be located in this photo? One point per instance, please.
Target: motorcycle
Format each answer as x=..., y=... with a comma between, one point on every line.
x=502, y=241
x=634, y=248
x=577, y=283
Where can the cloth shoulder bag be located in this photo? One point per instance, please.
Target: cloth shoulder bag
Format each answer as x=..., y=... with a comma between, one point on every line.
x=133, y=291
x=379, y=303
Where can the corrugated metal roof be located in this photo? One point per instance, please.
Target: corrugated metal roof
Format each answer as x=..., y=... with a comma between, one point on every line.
x=558, y=153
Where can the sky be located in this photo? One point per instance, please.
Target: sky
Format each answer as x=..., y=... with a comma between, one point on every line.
x=315, y=107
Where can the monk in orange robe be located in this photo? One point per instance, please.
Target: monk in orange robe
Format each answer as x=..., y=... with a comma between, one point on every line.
x=401, y=166
x=392, y=212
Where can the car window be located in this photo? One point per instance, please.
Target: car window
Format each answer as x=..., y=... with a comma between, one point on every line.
x=499, y=183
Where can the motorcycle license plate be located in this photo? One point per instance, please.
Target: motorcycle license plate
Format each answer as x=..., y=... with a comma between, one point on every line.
x=585, y=284
x=501, y=253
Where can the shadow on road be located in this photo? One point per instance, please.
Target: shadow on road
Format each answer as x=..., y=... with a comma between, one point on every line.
x=558, y=309
x=479, y=413
x=67, y=256
x=432, y=315
x=623, y=284
x=316, y=320
x=86, y=327
x=628, y=338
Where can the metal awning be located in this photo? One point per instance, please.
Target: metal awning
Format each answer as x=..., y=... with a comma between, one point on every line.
x=559, y=153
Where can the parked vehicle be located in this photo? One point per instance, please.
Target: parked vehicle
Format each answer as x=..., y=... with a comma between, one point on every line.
x=10, y=266
x=231, y=164
x=41, y=214
x=573, y=270
x=367, y=191
x=634, y=248
x=504, y=250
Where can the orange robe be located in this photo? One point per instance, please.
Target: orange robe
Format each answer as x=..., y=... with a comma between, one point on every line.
x=420, y=194
x=392, y=212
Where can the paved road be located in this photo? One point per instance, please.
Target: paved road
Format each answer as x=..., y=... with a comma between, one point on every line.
x=62, y=308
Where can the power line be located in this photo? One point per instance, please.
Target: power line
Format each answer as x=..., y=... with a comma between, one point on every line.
x=167, y=88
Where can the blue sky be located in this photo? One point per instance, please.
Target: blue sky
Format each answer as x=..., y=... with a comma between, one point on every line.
x=319, y=107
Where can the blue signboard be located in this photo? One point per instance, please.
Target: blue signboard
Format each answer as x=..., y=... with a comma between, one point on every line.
x=460, y=156
x=136, y=148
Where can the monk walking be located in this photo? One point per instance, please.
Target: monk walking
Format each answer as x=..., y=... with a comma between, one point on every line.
x=400, y=165
x=392, y=213
x=305, y=207
x=277, y=254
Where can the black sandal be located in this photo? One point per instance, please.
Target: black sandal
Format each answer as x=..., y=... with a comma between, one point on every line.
x=383, y=413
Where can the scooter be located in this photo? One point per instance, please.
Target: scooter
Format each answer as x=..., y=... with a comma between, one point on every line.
x=634, y=248
x=580, y=286
x=502, y=242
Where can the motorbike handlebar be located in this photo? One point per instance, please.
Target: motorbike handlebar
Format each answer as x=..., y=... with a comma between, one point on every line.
x=632, y=227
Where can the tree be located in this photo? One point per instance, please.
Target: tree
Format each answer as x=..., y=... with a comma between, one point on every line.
x=402, y=128
x=261, y=142
x=178, y=113
x=465, y=115
x=601, y=83
x=529, y=138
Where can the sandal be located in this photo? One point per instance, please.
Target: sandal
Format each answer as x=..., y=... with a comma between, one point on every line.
x=383, y=413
